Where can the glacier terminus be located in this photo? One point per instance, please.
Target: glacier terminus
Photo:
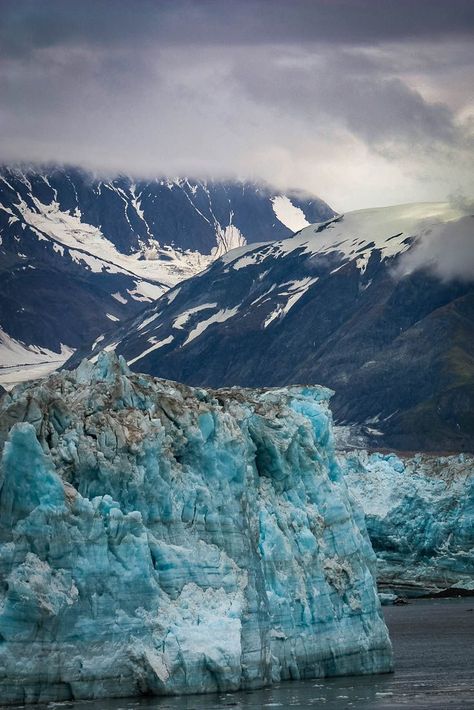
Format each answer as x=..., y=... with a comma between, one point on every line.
x=162, y=539
x=420, y=518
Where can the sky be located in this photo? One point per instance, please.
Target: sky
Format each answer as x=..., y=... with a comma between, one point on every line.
x=362, y=102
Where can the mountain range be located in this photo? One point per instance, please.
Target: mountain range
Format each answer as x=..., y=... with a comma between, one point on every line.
x=79, y=253
x=219, y=284
x=334, y=305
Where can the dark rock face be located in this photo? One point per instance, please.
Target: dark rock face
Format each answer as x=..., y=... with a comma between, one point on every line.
x=74, y=248
x=397, y=350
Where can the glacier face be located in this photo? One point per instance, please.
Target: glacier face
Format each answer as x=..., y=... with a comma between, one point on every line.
x=420, y=518
x=160, y=539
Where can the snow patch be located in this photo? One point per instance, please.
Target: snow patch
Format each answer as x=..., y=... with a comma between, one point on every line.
x=183, y=317
x=97, y=341
x=295, y=290
x=357, y=234
x=154, y=346
x=148, y=320
x=218, y=317
x=289, y=215
x=171, y=295
x=89, y=245
x=21, y=362
x=228, y=238
x=118, y=297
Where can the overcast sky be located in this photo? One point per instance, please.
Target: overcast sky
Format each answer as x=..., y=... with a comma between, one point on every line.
x=362, y=102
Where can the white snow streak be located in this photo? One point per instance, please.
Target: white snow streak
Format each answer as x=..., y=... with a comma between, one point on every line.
x=183, y=317
x=218, y=317
x=155, y=346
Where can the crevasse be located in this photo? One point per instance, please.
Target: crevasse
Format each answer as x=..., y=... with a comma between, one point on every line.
x=160, y=539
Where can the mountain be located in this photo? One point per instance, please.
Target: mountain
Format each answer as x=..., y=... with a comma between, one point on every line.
x=78, y=253
x=330, y=306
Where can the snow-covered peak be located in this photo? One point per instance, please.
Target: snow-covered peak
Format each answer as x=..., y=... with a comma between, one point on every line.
x=356, y=234
x=384, y=228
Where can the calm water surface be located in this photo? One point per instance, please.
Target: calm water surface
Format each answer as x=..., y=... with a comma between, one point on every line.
x=434, y=660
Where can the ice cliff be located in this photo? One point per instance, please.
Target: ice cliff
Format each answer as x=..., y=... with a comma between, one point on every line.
x=420, y=518
x=160, y=539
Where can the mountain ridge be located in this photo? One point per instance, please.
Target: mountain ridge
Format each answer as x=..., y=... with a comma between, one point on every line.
x=337, y=304
x=78, y=253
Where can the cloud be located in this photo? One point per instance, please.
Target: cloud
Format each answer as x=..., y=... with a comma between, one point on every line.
x=349, y=86
x=28, y=24
x=363, y=103
x=446, y=250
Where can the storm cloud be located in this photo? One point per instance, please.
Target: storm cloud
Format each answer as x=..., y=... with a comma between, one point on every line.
x=363, y=103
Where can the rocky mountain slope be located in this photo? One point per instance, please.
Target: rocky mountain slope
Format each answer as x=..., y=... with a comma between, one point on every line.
x=78, y=253
x=158, y=539
x=331, y=305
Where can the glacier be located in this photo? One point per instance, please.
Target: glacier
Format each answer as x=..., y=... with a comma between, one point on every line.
x=420, y=518
x=162, y=539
